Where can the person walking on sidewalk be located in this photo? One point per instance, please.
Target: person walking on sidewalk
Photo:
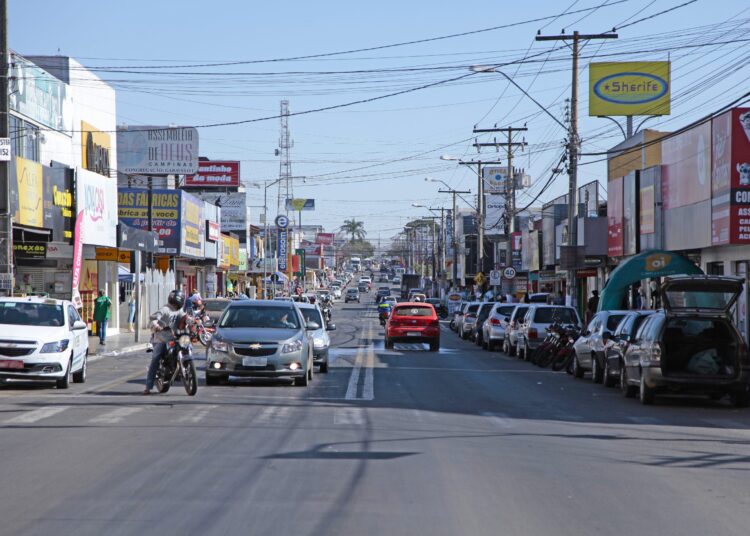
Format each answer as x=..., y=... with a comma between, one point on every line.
x=102, y=306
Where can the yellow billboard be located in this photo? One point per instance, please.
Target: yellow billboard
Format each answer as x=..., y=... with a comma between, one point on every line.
x=629, y=88
x=30, y=193
x=95, y=149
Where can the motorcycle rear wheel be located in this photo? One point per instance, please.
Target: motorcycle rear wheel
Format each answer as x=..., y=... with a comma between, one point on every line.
x=161, y=383
x=204, y=336
x=190, y=378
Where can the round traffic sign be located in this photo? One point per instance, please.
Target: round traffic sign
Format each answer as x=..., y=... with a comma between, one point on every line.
x=509, y=272
x=282, y=222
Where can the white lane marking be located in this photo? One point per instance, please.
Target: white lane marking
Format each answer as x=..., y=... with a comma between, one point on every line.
x=196, y=416
x=37, y=415
x=115, y=416
x=351, y=389
x=349, y=416
x=368, y=390
x=273, y=414
x=501, y=420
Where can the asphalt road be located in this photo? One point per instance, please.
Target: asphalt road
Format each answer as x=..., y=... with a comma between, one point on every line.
x=389, y=442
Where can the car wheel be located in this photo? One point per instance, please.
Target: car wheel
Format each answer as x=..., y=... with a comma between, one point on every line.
x=518, y=353
x=596, y=370
x=506, y=346
x=526, y=353
x=324, y=367
x=628, y=391
x=646, y=393
x=741, y=398
x=65, y=381
x=434, y=346
x=301, y=381
x=80, y=376
x=609, y=380
x=388, y=344
x=578, y=372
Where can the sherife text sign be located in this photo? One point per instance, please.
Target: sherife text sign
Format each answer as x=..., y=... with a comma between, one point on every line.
x=629, y=88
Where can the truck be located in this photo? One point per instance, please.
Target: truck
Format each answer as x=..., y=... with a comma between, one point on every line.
x=408, y=282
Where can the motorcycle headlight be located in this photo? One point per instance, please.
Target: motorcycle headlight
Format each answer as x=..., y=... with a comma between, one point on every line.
x=219, y=345
x=55, y=347
x=184, y=341
x=320, y=342
x=294, y=346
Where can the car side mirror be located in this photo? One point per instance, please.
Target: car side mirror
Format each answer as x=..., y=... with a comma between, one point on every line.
x=331, y=327
x=312, y=326
x=79, y=325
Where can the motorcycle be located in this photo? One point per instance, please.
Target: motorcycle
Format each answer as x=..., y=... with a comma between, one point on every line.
x=383, y=315
x=201, y=329
x=327, y=310
x=177, y=364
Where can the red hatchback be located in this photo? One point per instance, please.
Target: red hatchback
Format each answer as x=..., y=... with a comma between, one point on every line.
x=413, y=322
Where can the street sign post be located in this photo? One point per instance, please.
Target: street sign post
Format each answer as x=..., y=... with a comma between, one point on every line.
x=495, y=277
x=509, y=272
x=4, y=149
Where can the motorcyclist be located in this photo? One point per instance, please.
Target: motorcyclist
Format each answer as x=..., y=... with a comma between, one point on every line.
x=384, y=310
x=162, y=323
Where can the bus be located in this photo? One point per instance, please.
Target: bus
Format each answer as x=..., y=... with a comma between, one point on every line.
x=356, y=263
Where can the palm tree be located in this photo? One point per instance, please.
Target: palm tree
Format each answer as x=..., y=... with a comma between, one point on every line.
x=354, y=228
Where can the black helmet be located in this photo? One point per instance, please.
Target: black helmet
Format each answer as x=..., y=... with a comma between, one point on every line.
x=176, y=299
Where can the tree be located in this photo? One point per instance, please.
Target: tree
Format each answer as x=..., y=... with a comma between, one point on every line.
x=358, y=248
x=355, y=229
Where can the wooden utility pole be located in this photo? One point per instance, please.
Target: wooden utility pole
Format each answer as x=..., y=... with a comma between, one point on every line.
x=573, y=143
x=6, y=232
x=455, y=240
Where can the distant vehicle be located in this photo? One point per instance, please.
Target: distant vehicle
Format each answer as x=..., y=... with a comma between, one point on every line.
x=513, y=328
x=352, y=294
x=494, y=328
x=483, y=314
x=363, y=287
x=440, y=309
x=621, y=339
x=265, y=339
x=413, y=322
x=467, y=319
x=336, y=292
x=214, y=307
x=409, y=282
x=590, y=346
x=318, y=330
x=356, y=263
x=43, y=339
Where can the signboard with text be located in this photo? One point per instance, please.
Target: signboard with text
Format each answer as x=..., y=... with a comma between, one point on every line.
x=157, y=150
x=165, y=212
x=629, y=88
x=215, y=174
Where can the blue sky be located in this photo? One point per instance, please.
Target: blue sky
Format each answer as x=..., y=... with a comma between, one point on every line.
x=369, y=160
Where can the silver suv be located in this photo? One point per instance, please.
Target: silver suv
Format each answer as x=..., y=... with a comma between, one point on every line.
x=538, y=318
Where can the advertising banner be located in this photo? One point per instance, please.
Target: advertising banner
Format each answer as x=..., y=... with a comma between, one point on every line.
x=646, y=217
x=38, y=95
x=58, y=203
x=739, y=170
x=154, y=150
x=224, y=250
x=215, y=174
x=325, y=239
x=233, y=209
x=686, y=172
x=30, y=250
x=282, y=249
x=495, y=179
x=95, y=149
x=629, y=88
x=721, y=178
x=29, y=208
x=615, y=245
x=96, y=199
x=214, y=231
x=494, y=220
x=193, y=225
x=300, y=204
x=166, y=214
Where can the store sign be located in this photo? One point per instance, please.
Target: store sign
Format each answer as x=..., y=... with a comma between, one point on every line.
x=193, y=227
x=30, y=250
x=38, y=95
x=495, y=179
x=739, y=172
x=282, y=249
x=113, y=255
x=629, y=88
x=96, y=198
x=30, y=191
x=300, y=204
x=214, y=231
x=494, y=217
x=165, y=211
x=325, y=239
x=234, y=211
x=215, y=173
x=95, y=149
x=154, y=150
x=57, y=250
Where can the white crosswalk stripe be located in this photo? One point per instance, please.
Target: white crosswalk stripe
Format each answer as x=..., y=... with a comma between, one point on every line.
x=115, y=416
x=349, y=416
x=197, y=415
x=273, y=414
x=37, y=415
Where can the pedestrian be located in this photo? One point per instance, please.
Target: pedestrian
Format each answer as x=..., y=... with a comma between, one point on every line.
x=592, y=305
x=560, y=300
x=131, y=311
x=526, y=298
x=102, y=306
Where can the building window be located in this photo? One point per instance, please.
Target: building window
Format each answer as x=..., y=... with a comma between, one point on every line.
x=24, y=139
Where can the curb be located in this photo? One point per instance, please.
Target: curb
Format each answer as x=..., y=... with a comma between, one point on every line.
x=121, y=351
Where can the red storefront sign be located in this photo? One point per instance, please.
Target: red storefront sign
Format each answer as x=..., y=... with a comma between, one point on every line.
x=325, y=238
x=731, y=176
x=214, y=231
x=215, y=174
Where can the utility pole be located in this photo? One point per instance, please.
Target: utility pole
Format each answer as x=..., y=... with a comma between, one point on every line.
x=573, y=143
x=455, y=239
x=6, y=233
x=510, y=187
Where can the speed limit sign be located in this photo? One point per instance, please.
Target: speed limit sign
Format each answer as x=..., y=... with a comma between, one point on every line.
x=495, y=276
x=509, y=272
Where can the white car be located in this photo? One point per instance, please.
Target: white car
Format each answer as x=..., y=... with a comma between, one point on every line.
x=42, y=339
x=336, y=292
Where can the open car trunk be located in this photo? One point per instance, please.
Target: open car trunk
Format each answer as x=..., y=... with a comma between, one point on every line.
x=700, y=348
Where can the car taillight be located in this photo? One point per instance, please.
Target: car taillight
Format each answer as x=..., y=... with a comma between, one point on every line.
x=495, y=321
x=532, y=333
x=435, y=323
x=656, y=353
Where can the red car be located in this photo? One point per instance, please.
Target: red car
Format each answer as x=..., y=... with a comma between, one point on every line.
x=413, y=322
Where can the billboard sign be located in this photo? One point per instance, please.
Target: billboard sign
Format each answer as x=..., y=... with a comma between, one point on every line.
x=325, y=239
x=629, y=88
x=233, y=209
x=96, y=200
x=494, y=218
x=300, y=204
x=193, y=226
x=166, y=213
x=282, y=249
x=495, y=179
x=153, y=150
x=27, y=199
x=215, y=174
x=38, y=95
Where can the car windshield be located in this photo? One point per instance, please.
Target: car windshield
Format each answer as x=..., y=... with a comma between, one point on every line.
x=312, y=315
x=352, y=291
x=415, y=310
x=548, y=315
x=215, y=305
x=613, y=321
x=31, y=314
x=257, y=316
x=505, y=310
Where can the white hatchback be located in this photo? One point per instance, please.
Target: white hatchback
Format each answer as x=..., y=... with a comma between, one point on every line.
x=42, y=339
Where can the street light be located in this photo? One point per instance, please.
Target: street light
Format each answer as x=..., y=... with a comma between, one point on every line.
x=454, y=193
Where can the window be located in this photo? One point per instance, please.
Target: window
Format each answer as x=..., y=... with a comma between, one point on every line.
x=548, y=315
x=31, y=314
x=72, y=315
x=24, y=138
x=260, y=317
x=413, y=311
x=312, y=315
x=641, y=329
x=613, y=321
x=654, y=328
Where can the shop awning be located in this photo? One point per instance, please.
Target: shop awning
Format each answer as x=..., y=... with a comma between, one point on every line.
x=124, y=275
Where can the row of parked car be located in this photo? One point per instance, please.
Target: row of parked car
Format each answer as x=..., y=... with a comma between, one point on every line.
x=691, y=345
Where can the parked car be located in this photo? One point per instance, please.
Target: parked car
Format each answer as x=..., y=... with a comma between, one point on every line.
x=318, y=330
x=468, y=318
x=440, y=309
x=514, y=325
x=616, y=348
x=265, y=339
x=456, y=318
x=589, y=347
x=691, y=345
x=215, y=307
x=352, y=294
x=493, y=329
x=538, y=318
x=539, y=297
x=413, y=322
x=483, y=314
x=42, y=340
x=336, y=292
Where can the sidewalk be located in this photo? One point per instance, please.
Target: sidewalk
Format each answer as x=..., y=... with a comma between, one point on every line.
x=123, y=343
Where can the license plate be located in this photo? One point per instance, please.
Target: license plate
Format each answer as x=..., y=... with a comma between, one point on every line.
x=413, y=334
x=254, y=361
x=7, y=364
